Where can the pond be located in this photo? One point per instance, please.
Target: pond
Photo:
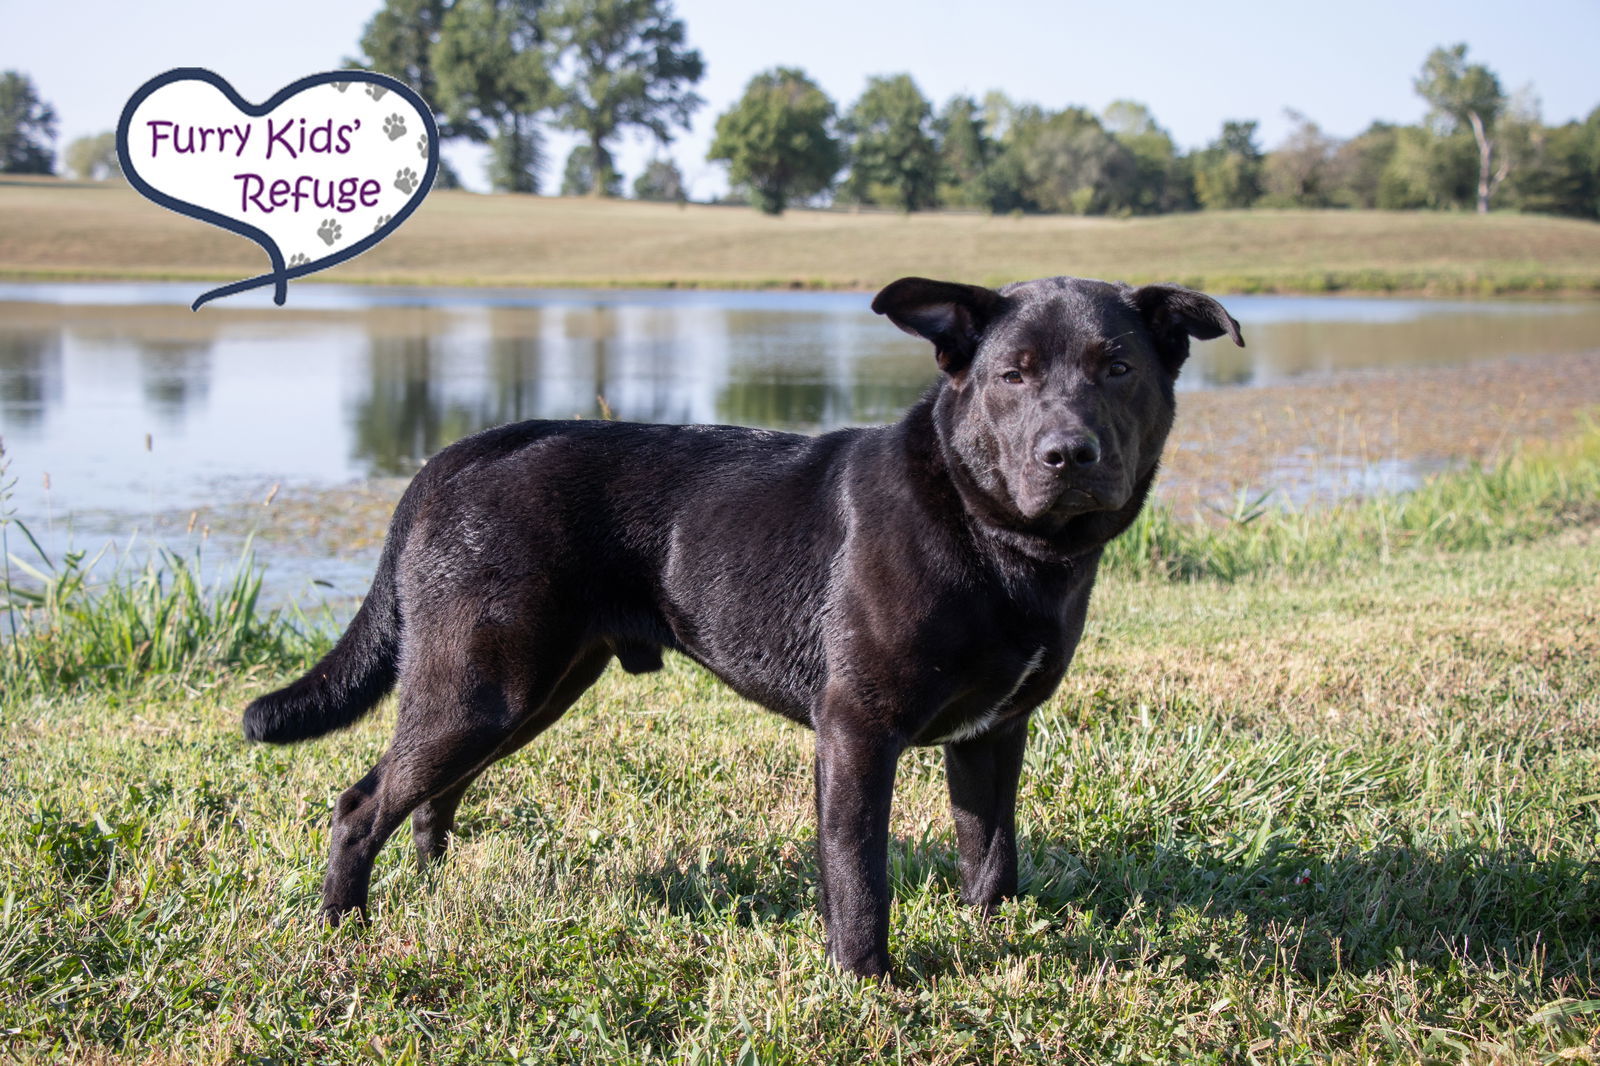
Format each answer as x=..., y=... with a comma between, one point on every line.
x=117, y=401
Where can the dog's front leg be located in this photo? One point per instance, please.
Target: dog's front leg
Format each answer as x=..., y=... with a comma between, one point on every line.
x=855, y=780
x=983, y=775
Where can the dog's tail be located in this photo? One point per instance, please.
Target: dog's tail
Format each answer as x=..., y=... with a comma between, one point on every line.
x=359, y=671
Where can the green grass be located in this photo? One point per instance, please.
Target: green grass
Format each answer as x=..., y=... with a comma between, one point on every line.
x=153, y=625
x=102, y=624
x=1335, y=803
x=59, y=230
x=1523, y=496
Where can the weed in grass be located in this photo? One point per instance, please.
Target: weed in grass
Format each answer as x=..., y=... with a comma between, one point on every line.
x=157, y=624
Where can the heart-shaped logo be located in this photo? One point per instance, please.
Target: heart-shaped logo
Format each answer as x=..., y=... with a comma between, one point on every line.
x=324, y=170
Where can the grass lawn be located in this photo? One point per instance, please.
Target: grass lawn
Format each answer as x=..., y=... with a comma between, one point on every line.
x=52, y=229
x=1318, y=788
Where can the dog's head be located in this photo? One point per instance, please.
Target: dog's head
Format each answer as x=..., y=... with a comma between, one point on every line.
x=1059, y=392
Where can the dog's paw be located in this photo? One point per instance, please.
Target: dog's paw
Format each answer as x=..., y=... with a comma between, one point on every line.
x=405, y=179
x=375, y=90
x=422, y=146
x=341, y=85
x=298, y=258
x=330, y=231
x=382, y=222
x=395, y=127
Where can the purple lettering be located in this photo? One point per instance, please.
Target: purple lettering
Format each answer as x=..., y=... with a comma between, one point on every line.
x=369, y=192
x=321, y=140
x=246, y=197
x=156, y=135
x=280, y=138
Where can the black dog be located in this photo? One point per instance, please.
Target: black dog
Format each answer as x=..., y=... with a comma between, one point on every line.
x=920, y=583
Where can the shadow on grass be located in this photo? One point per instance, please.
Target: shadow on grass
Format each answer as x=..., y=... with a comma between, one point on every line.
x=1315, y=914
x=1182, y=908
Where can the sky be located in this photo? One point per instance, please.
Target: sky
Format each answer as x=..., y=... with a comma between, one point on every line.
x=1194, y=65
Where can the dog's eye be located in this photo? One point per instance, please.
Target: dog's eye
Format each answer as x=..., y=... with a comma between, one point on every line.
x=1118, y=368
x=1012, y=377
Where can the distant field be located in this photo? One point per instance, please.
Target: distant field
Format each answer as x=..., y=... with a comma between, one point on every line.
x=62, y=230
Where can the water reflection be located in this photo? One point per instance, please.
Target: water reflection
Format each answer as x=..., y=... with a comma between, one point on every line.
x=352, y=383
x=30, y=376
x=402, y=417
x=175, y=376
x=432, y=379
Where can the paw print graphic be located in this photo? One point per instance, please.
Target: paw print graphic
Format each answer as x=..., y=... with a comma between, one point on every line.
x=298, y=259
x=405, y=179
x=376, y=91
x=382, y=222
x=395, y=127
x=330, y=231
x=422, y=145
x=341, y=85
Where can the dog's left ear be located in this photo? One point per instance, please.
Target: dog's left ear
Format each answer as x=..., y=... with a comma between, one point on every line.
x=1174, y=314
x=951, y=315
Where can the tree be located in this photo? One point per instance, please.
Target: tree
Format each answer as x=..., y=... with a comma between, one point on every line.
x=893, y=158
x=778, y=139
x=1160, y=181
x=578, y=177
x=1227, y=173
x=1070, y=164
x=93, y=158
x=1428, y=170
x=1557, y=168
x=620, y=64
x=965, y=152
x=516, y=156
x=1299, y=172
x=493, y=79
x=1356, y=170
x=661, y=182
x=1463, y=95
x=399, y=41
x=27, y=127
x=1003, y=177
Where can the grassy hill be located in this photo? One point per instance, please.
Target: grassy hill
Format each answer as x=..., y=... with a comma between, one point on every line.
x=62, y=230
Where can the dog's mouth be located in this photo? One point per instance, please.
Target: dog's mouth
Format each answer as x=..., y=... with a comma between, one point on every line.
x=1058, y=502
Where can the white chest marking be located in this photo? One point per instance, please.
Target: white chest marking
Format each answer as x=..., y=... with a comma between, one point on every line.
x=980, y=725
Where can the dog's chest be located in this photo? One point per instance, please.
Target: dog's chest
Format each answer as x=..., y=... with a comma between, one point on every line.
x=990, y=692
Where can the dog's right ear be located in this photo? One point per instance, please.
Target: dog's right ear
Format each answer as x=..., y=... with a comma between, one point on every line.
x=951, y=315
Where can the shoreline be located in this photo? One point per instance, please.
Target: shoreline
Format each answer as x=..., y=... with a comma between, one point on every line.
x=1302, y=445
x=1368, y=285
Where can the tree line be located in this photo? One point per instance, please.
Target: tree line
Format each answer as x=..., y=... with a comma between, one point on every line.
x=500, y=72
x=1478, y=147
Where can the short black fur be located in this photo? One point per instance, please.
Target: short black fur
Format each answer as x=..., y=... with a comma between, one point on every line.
x=920, y=583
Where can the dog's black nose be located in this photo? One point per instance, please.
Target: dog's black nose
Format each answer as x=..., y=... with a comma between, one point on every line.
x=1062, y=450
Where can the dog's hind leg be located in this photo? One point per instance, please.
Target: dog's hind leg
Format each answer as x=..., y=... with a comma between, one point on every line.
x=431, y=823
x=419, y=765
x=458, y=707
